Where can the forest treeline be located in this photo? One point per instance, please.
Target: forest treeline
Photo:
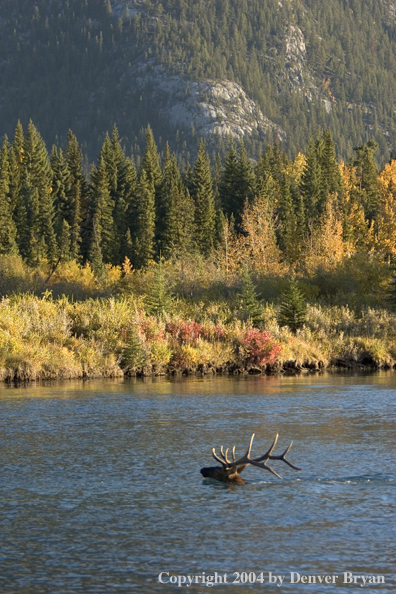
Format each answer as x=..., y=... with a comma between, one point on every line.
x=271, y=217
x=220, y=266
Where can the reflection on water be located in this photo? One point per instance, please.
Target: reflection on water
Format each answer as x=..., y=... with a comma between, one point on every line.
x=100, y=486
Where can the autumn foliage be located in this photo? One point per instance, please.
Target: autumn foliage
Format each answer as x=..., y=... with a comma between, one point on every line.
x=259, y=347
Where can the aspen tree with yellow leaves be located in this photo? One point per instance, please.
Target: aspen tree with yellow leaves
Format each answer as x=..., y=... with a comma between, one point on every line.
x=326, y=245
x=386, y=222
x=258, y=245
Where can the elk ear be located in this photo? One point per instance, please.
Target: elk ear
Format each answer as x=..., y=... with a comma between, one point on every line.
x=241, y=468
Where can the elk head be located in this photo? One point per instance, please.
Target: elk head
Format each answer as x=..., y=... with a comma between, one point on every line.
x=230, y=470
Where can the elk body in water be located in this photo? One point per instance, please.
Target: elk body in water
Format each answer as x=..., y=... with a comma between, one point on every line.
x=230, y=470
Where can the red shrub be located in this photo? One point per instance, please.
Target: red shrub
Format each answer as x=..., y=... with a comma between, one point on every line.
x=190, y=331
x=260, y=347
x=173, y=329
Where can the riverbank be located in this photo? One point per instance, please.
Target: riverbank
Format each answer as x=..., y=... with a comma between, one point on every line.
x=43, y=338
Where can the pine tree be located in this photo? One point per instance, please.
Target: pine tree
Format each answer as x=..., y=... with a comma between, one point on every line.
x=202, y=193
x=293, y=308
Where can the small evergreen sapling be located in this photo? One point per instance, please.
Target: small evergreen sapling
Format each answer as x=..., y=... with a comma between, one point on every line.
x=135, y=354
x=159, y=300
x=248, y=300
x=293, y=310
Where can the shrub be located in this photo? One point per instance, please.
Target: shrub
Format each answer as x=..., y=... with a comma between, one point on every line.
x=259, y=347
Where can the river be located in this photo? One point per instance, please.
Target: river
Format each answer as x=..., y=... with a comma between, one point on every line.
x=101, y=491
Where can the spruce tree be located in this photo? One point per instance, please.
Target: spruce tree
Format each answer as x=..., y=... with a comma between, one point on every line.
x=121, y=176
x=7, y=225
x=163, y=198
x=102, y=228
x=150, y=161
x=134, y=354
x=179, y=235
x=367, y=170
x=18, y=142
x=41, y=211
x=25, y=196
x=95, y=256
x=77, y=194
x=60, y=195
x=293, y=310
x=64, y=243
x=331, y=176
x=202, y=193
x=311, y=183
x=248, y=300
x=246, y=179
x=159, y=299
x=287, y=218
x=228, y=184
x=176, y=219
x=15, y=157
x=125, y=208
x=145, y=221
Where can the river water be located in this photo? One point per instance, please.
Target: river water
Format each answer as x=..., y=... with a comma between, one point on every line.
x=101, y=491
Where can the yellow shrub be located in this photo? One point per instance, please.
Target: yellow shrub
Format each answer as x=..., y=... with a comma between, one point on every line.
x=160, y=353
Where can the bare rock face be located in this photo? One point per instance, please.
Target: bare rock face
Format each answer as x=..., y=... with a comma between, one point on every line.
x=206, y=107
x=295, y=49
x=297, y=73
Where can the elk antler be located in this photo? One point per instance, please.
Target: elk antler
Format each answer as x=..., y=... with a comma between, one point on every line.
x=231, y=469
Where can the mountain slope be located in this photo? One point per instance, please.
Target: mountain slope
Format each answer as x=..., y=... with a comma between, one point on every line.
x=263, y=70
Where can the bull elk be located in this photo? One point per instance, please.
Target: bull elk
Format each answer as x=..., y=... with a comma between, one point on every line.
x=230, y=470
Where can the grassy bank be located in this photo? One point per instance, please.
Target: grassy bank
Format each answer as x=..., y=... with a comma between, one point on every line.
x=46, y=338
x=188, y=317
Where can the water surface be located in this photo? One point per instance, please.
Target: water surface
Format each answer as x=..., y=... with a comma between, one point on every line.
x=101, y=492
